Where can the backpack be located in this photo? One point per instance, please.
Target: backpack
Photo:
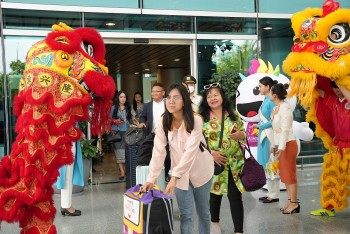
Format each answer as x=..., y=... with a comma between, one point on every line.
x=144, y=153
x=134, y=136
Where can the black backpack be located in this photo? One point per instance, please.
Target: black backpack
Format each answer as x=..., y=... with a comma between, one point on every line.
x=134, y=136
x=144, y=153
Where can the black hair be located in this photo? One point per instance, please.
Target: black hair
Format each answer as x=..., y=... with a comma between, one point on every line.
x=226, y=104
x=127, y=104
x=280, y=90
x=333, y=84
x=134, y=103
x=187, y=108
x=158, y=84
x=268, y=81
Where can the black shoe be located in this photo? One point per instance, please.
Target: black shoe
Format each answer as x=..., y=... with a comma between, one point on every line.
x=121, y=177
x=65, y=212
x=262, y=198
x=167, y=178
x=270, y=200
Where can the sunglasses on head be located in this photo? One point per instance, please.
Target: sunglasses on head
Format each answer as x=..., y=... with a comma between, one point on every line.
x=213, y=85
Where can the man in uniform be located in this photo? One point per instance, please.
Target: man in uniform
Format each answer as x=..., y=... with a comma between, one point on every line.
x=190, y=81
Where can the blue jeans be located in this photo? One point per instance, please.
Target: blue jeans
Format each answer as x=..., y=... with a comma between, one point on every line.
x=201, y=196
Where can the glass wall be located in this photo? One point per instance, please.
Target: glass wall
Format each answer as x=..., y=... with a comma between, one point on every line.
x=29, y=19
x=91, y=3
x=2, y=110
x=223, y=57
x=202, y=5
x=290, y=7
x=139, y=23
x=226, y=25
x=16, y=49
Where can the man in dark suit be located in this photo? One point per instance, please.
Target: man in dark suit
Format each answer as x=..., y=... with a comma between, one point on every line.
x=151, y=114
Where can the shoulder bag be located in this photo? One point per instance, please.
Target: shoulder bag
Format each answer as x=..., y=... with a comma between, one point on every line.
x=253, y=174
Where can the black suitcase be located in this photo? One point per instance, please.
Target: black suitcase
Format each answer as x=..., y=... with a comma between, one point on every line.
x=130, y=165
x=151, y=212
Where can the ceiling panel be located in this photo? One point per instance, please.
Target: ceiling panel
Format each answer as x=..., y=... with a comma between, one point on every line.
x=128, y=59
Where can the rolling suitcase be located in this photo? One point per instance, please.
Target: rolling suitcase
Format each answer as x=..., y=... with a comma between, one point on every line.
x=147, y=213
x=141, y=176
x=130, y=165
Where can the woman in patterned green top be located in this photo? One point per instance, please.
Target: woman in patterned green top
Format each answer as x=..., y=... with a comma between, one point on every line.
x=215, y=104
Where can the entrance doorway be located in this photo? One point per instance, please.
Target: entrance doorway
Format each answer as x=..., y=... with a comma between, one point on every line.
x=136, y=67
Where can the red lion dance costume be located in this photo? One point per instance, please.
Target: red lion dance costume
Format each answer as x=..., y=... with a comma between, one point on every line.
x=321, y=52
x=63, y=74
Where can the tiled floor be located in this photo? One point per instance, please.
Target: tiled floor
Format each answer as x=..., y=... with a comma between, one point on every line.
x=101, y=207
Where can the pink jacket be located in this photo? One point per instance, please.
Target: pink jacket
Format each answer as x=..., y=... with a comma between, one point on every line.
x=188, y=161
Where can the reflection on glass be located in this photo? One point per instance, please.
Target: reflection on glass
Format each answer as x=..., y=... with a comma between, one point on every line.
x=32, y=19
x=139, y=23
x=224, y=58
x=229, y=25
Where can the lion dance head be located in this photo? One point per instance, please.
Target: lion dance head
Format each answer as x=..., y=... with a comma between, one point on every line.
x=321, y=52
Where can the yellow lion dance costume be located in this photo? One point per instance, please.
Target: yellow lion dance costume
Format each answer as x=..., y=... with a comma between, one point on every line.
x=321, y=52
x=64, y=75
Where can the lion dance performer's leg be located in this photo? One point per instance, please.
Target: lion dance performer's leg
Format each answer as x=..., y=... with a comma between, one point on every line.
x=335, y=178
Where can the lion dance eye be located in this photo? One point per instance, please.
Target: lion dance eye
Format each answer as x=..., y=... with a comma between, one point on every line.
x=339, y=34
x=88, y=48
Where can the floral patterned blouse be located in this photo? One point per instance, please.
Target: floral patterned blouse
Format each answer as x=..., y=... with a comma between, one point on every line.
x=231, y=149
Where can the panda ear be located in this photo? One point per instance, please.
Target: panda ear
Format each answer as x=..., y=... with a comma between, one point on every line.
x=242, y=76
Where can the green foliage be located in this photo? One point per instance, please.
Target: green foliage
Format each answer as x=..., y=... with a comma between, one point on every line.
x=229, y=81
x=237, y=58
x=83, y=126
x=17, y=67
x=87, y=149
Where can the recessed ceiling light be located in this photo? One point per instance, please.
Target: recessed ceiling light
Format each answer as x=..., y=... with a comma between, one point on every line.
x=176, y=60
x=268, y=28
x=199, y=52
x=136, y=73
x=110, y=24
x=160, y=65
x=147, y=69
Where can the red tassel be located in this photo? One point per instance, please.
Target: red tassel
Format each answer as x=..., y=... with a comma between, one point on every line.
x=101, y=119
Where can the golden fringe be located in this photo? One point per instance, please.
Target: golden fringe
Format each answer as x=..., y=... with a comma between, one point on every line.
x=335, y=179
x=303, y=85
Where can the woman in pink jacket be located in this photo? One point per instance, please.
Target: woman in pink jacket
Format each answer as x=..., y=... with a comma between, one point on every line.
x=192, y=165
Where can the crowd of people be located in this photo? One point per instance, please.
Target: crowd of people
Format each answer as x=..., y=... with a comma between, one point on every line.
x=183, y=121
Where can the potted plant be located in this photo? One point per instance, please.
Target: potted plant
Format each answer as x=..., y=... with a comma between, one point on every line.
x=88, y=150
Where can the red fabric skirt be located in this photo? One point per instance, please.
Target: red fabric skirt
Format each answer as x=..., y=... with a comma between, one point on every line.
x=288, y=164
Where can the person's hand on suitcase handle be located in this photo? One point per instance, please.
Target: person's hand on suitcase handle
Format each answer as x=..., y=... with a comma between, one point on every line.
x=146, y=187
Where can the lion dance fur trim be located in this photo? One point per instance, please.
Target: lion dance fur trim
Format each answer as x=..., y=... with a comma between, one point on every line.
x=64, y=75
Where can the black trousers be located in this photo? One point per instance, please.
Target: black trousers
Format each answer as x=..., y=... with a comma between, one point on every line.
x=236, y=205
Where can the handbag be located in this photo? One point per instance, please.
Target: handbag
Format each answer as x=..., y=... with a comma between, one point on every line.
x=253, y=174
x=112, y=137
x=134, y=136
x=218, y=169
x=272, y=171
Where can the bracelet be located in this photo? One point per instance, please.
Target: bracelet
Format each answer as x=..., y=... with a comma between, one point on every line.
x=176, y=177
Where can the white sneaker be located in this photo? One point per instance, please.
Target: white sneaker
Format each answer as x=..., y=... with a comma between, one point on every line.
x=215, y=228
